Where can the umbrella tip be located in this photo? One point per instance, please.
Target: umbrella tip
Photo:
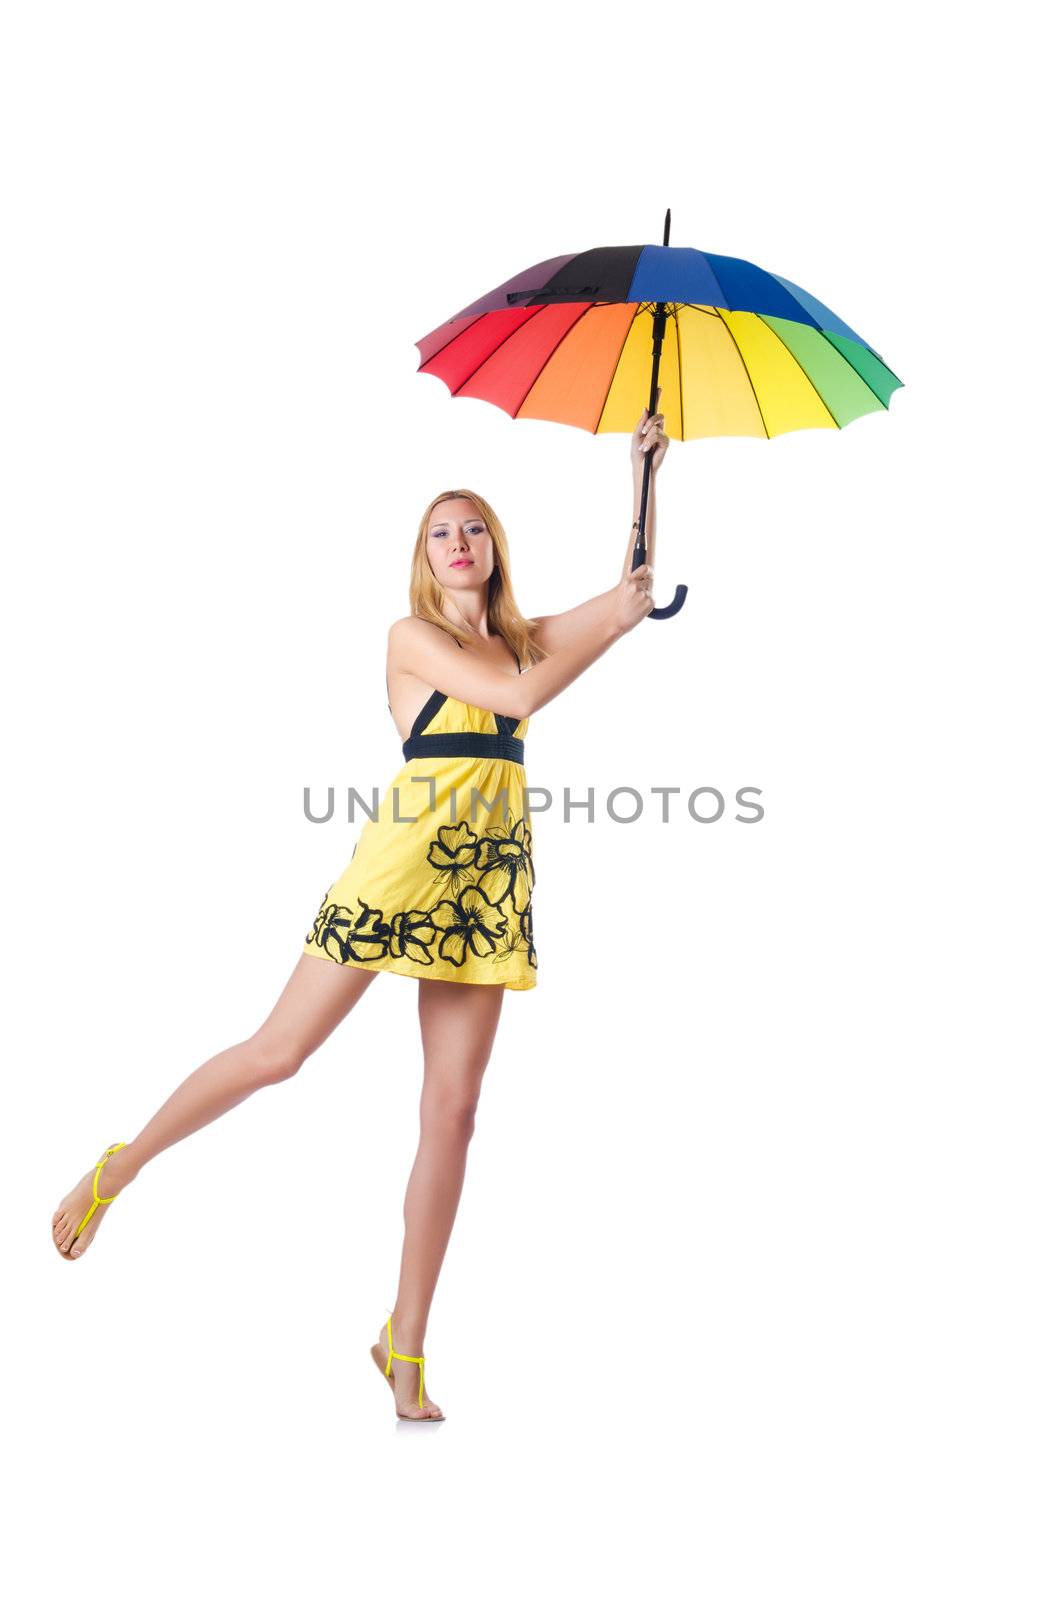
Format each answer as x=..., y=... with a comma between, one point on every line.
x=666, y=227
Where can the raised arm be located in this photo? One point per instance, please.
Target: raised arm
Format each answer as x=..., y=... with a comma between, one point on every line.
x=417, y=646
x=565, y=627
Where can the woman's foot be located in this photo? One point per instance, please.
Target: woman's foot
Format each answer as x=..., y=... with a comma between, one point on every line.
x=405, y=1376
x=113, y=1178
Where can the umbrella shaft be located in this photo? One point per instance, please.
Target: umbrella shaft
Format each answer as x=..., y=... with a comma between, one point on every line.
x=640, y=548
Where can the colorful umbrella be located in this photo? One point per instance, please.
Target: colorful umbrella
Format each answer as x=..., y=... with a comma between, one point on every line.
x=578, y=338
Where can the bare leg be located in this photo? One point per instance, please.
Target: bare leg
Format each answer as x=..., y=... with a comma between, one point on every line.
x=458, y=1024
x=317, y=996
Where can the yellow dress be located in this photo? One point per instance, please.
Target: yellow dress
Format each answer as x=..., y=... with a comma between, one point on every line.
x=440, y=881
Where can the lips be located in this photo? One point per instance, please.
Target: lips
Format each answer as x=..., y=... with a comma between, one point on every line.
x=460, y=563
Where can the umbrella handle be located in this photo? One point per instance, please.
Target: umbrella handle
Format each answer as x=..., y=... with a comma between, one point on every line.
x=660, y=613
x=640, y=549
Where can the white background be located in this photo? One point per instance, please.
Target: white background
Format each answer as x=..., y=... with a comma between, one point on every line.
x=752, y=1289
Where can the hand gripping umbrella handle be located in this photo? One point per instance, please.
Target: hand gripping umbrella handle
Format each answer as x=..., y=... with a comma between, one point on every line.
x=640, y=553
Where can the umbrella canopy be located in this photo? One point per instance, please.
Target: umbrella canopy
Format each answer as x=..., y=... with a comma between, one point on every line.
x=746, y=351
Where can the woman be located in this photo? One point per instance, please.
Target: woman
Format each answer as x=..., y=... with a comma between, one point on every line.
x=438, y=887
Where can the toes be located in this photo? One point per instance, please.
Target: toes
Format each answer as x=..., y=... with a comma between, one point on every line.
x=75, y=1240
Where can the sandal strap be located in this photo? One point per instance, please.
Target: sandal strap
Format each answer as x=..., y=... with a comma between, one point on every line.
x=105, y=1199
x=97, y=1198
x=395, y=1355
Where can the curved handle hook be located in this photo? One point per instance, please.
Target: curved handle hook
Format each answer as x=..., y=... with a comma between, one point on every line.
x=661, y=612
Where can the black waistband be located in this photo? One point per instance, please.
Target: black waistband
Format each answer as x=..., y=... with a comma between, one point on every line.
x=487, y=746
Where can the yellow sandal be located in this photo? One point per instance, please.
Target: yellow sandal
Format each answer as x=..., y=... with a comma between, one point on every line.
x=394, y=1355
x=97, y=1198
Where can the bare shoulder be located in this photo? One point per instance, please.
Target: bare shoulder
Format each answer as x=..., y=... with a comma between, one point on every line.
x=403, y=628
x=406, y=629
x=409, y=638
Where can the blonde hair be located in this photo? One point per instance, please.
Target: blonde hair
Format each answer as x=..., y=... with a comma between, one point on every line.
x=503, y=615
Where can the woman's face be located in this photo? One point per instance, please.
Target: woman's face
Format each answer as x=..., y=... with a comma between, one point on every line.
x=459, y=546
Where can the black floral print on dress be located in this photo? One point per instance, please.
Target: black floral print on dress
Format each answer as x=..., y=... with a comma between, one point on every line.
x=521, y=938
x=468, y=923
x=483, y=909
x=411, y=935
x=453, y=852
x=503, y=858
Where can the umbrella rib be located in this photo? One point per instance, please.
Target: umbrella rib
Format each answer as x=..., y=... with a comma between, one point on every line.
x=557, y=346
x=493, y=352
x=680, y=390
x=743, y=364
x=801, y=368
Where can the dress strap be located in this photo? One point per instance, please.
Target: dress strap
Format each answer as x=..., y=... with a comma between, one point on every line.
x=428, y=711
